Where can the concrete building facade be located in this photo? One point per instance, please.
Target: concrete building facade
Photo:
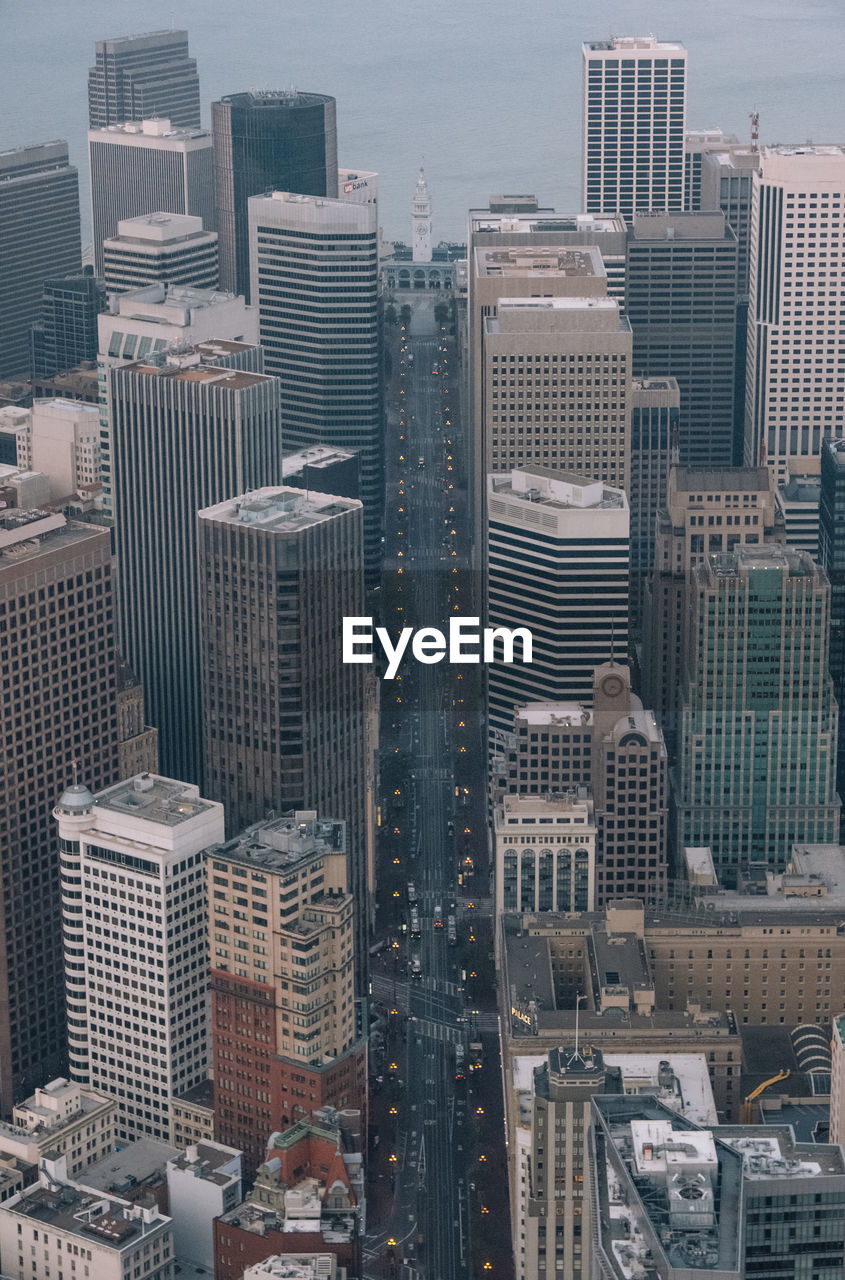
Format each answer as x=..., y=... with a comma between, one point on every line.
x=283, y=980
x=634, y=125
x=145, y=837
x=58, y=706
x=139, y=77
x=148, y=166
x=186, y=433
x=796, y=356
x=303, y=743
x=160, y=248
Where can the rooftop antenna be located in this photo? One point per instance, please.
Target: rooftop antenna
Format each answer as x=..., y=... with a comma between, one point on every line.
x=75, y=768
x=612, y=639
x=755, y=130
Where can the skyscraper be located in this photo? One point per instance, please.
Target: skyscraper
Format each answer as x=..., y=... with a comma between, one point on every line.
x=283, y=714
x=264, y=141
x=831, y=553
x=160, y=248
x=147, y=322
x=558, y=565
x=66, y=333
x=556, y=375
x=186, y=433
x=634, y=125
x=758, y=733
x=796, y=354
x=58, y=706
x=655, y=412
x=39, y=238
x=295, y=950
x=151, y=1039
x=312, y=258
x=704, y=512
x=148, y=166
x=138, y=77
x=681, y=299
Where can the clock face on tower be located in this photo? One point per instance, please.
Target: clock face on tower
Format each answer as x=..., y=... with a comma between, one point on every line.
x=420, y=230
x=611, y=686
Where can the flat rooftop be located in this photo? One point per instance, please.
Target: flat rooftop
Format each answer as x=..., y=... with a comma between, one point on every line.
x=280, y=509
x=634, y=44
x=205, y=374
x=532, y=261
x=159, y=229
x=319, y=455
x=122, y=1170
x=89, y=1215
x=555, y=490
x=155, y=799
x=772, y=1152
x=529, y=810
x=528, y=221
x=25, y=535
x=147, y=133
x=201, y=1095
x=722, y=480
x=280, y=844
x=206, y=1160
x=550, y=714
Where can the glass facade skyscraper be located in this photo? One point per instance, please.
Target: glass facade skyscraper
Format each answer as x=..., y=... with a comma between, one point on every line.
x=757, y=766
x=264, y=141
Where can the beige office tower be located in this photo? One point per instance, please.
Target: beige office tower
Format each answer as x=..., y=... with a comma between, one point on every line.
x=284, y=717
x=796, y=341
x=58, y=705
x=551, y=1205
x=706, y=512
x=529, y=274
x=556, y=375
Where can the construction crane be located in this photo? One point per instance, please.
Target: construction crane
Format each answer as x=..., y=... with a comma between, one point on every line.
x=755, y=1093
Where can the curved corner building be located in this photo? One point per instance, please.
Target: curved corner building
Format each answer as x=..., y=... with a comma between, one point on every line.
x=266, y=140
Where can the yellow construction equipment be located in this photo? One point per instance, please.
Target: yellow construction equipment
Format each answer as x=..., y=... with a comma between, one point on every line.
x=755, y=1093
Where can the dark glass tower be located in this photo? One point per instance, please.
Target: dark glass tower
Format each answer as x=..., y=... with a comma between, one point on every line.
x=39, y=238
x=832, y=560
x=67, y=331
x=279, y=140
x=138, y=77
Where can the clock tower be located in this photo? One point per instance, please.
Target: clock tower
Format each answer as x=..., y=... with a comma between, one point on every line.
x=421, y=230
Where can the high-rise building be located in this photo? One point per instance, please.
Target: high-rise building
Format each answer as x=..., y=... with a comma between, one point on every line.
x=58, y=705
x=151, y=1040
x=138, y=77
x=796, y=354
x=655, y=416
x=278, y=570
x=40, y=238
x=66, y=333
x=739, y=1201
x=187, y=431
x=295, y=949
x=831, y=554
x=758, y=727
x=798, y=501
x=704, y=512
x=837, y=1081
x=727, y=183
x=265, y=141
x=551, y=1211
x=148, y=166
x=515, y=250
x=615, y=751
x=556, y=375
x=560, y=874
x=158, y=318
x=699, y=143
x=319, y=257
x=160, y=248
x=634, y=125
x=681, y=299
x=558, y=565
